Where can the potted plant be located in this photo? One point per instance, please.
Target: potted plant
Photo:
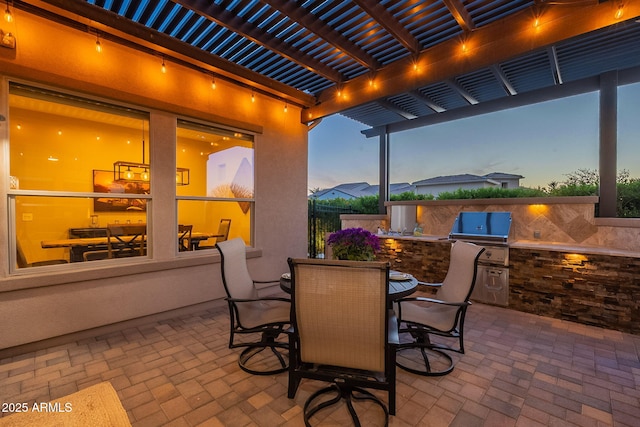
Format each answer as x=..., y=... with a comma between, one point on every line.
x=355, y=244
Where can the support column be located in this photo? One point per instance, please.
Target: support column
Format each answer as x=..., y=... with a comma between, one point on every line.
x=384, y=170
x=608, y=143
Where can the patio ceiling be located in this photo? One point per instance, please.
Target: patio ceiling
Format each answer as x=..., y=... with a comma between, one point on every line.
x=382, y=63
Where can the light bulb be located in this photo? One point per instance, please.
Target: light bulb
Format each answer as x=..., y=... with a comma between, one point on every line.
x=129, y=174
x=145, y=175
x=98, y=45
x=253, y=97
x=618, y=14
x=164, y=67
x=285, y=107
x=7, y=14
x=213, y=83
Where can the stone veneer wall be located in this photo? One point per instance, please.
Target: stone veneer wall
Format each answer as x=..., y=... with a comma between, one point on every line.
x=598, y=290
x=427, y=261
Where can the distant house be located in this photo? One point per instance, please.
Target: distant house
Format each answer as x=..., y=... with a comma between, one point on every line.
x=433, y=186
x=441, y=184
x=355, y=190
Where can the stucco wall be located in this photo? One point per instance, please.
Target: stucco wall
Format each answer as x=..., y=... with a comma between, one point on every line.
x=52, y=303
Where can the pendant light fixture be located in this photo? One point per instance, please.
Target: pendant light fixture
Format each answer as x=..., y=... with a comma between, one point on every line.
x=124, y=171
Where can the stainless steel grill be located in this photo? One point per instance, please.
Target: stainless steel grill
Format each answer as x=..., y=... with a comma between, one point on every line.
x=490, y=230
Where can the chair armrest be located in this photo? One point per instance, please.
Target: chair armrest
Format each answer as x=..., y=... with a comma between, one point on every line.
x=266, y=281
x=432, y=285
x=258, y=299
x=393, y=337
x=435, y=301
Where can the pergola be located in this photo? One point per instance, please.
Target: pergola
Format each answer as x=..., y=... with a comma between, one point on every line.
x=392, y=65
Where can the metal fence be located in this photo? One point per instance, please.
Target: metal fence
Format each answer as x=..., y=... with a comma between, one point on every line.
x=322, y=219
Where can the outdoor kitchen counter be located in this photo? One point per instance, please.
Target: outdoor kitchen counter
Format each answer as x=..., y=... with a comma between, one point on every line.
x=589, y=285
x=565, y=247
x=531, y=244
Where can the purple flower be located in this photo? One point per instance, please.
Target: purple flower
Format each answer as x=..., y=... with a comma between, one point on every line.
x=355, y=244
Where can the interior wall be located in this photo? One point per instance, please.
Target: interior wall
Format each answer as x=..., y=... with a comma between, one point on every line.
x=49, y=303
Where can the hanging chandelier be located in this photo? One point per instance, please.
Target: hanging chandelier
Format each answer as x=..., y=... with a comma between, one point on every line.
x=124, y=171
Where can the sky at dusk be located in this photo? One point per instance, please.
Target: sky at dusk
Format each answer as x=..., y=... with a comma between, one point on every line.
x=542, y=142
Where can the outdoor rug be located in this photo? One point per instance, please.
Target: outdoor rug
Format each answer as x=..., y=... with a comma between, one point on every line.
x=95, y=406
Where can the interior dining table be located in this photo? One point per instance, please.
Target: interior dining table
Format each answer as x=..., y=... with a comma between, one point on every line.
x=400, y=284
x=83, y=243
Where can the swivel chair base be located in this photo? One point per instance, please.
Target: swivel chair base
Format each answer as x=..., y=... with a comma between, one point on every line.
x=268, y=342
x=346, y=393
x=424, y=359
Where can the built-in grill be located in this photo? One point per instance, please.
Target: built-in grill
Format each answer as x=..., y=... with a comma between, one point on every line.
x=490, y=230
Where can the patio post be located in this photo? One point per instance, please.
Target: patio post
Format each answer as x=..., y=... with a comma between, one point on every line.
x=384, y=170
x=608, y=143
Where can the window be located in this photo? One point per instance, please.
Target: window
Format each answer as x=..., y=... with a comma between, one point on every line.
x=76, y=165
x=218, y=202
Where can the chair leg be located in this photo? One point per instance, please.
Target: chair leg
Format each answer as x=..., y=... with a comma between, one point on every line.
x=342, y=392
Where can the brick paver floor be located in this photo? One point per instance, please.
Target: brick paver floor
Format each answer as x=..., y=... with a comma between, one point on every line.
x=519, y=370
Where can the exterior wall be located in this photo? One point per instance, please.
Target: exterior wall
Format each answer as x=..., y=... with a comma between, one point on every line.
x=564, y=220
x=52, y=303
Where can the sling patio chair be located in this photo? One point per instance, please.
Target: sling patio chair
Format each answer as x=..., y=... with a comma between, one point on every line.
x=343, y=332
x=250, y=314
x=442, y=315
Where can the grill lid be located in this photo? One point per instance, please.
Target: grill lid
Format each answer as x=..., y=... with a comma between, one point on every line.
x=485, y=226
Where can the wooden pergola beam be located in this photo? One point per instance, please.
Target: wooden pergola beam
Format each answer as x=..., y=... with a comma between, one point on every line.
x=492, y=44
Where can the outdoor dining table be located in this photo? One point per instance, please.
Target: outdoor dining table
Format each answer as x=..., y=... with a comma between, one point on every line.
x=400, y=284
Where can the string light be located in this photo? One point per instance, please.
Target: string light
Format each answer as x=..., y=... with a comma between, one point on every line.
x=164, y=67
x=619, y=11
x=253, y=96
x=536, y=22
x=98, y=45
x=7, y=14
x=213, y=82
x=285, y=107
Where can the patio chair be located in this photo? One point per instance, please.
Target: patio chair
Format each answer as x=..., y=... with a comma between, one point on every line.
x=21, y=259
x=442, y=315
x=251, y=314
x=343, y=332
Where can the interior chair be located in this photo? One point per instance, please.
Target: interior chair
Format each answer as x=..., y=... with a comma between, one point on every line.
x=442, y=315
x=22, y=262
x=252, y=315
x=221, y=236
x=184, y=237
x=343, y=332
x=126, y=240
